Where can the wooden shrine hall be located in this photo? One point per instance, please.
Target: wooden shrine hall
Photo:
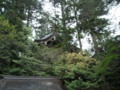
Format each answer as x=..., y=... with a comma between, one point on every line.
x=48, y=39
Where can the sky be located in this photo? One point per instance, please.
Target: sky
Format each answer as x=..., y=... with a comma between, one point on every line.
x=113, y=16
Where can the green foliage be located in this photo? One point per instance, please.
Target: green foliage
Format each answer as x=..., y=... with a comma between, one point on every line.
x=7, y=35
x=21, y=56
x=16, y=51
x=112, y=55
x=110, y=66
x=78, y=18
x=27, y=66
x=48, y=56
x=77, y=71
x=5, y=27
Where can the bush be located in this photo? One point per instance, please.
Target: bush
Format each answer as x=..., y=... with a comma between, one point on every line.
x=110, y=66
x=77, y=71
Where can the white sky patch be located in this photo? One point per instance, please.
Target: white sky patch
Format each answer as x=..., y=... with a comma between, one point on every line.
x=114, y=18
x=48, y=7
x=85, y=43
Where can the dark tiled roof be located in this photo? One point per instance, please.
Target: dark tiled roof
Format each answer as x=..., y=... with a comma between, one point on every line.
x=46, y=37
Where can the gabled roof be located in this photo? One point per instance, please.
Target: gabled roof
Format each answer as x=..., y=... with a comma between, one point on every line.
x=46, y=37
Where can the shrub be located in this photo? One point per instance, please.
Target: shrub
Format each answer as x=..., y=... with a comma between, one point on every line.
x=77, y=71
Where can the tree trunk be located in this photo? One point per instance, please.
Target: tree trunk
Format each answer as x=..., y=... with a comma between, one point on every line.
x=63, y=15
x=28, y=18
x=79, y=39
x=97, y=52
x=78, y=29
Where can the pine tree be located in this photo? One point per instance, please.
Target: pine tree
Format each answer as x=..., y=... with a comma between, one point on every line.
x=92, y=24
x=62, y=24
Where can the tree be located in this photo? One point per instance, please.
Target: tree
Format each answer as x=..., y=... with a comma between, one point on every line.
x=110, y=66
x=17, y=10
x=62, y=23
x=83, y=17
x=92, y=24
x=7, y=42
x=17, y=53
x=45, y=26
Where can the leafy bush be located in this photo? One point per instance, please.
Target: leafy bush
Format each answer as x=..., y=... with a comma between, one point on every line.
x=110, y=66
x=7, y=35
x=77, y=71
x=17, y=52
x=48, y=56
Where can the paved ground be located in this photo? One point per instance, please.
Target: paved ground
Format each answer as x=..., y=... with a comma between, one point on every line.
x=30, y=83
